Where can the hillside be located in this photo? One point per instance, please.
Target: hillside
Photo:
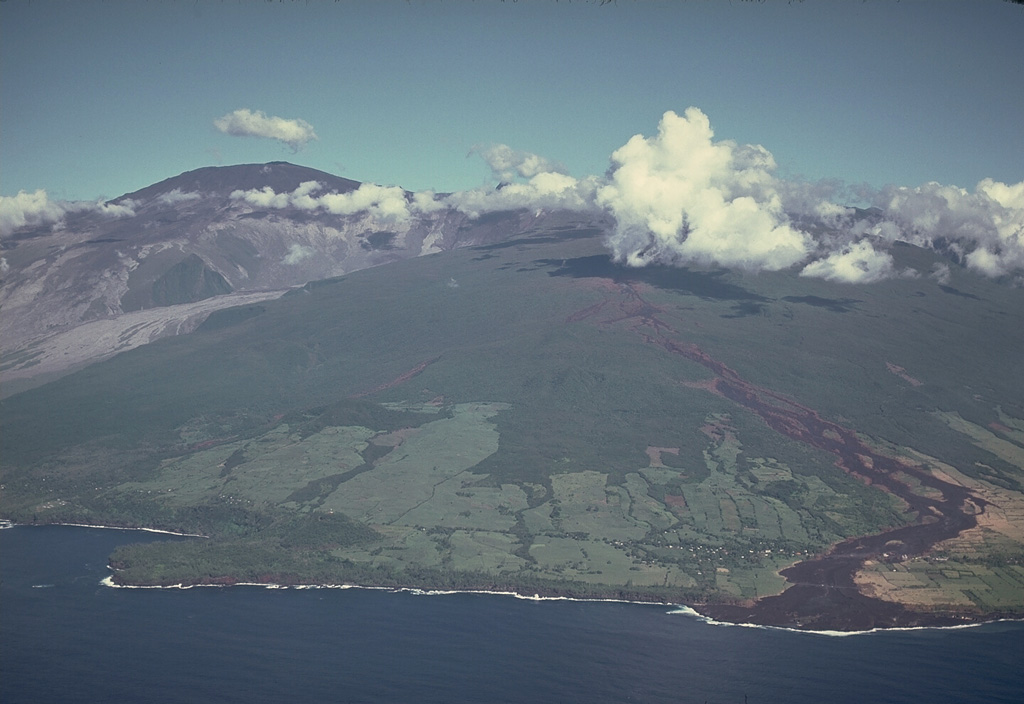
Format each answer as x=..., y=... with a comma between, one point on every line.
x=108, y=277
x=525, y=415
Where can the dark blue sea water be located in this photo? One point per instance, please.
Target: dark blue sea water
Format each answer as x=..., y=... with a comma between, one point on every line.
x=66, y=638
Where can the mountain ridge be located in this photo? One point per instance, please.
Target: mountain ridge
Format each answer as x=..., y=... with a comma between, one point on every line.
x=95, y=267
x=223, y=180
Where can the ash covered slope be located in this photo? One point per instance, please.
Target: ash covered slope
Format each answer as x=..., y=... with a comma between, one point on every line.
x=157, y=261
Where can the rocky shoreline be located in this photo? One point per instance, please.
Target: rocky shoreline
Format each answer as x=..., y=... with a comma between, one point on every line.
x=802, y=607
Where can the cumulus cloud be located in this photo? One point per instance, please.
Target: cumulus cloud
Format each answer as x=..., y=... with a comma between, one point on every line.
x=176, y=196
x=246, y=123
x=383, y=202
x=36, y=209
x=507, y=163
x=681, y=197
x=856, y=263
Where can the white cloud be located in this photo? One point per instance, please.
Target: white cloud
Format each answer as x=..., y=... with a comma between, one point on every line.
x=426, y=202
x=681, y=197
x=124, y=209
x=507, y=163
x=546, y=190
x=857, y=263
x=383, y=202
x=176, y=196
x=983, y=228
x=302, y=198
x=987, y=262
x=941, y=273
x=815, y=200
x=386, y=202
x=262, y=197
x=27, y=209
x=246, y=123
x=35, y=209
x=528, y=182
x=298, y=253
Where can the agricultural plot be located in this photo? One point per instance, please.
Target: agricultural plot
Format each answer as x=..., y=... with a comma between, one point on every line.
x=643, y=508
x=747, y=499
x=485, y=551
x=1010, y=449
x=410, y=478
x=945, y=584
x=586, y=506
x=598, y=562
x=268, y=469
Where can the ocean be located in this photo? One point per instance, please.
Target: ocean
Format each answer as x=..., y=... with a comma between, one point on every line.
x=64, y=637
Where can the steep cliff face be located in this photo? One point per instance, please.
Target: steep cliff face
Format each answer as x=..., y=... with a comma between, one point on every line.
x=96, y=283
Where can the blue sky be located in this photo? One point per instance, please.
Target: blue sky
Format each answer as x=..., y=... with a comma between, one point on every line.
x=102, y=98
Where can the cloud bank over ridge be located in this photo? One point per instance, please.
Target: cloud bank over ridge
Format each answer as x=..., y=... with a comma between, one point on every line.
x=677, y=198
x=37, y=209
x=983, y=229
x=389, y=203
x=682, y=198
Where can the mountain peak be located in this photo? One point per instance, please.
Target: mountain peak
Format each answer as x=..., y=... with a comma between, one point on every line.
x=280, y=176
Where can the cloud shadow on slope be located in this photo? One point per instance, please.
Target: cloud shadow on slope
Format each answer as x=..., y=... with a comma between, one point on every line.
x=836, y=305
x=705, y=284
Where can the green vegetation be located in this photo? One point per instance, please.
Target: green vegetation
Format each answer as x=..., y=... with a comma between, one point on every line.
x=940, y=583
x=521, y=429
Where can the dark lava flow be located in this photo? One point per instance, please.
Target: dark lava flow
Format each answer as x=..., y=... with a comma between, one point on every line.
x=823, y=594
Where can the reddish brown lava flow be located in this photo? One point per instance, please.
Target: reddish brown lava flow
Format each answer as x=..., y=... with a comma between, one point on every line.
x=397, y=380
x=823, y=594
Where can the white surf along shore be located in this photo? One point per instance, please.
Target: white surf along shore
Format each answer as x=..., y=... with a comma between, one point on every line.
x=675, y=609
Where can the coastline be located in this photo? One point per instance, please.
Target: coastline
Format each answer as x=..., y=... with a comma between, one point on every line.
x=676, y=608
x=89, y=525
x=711, y=614
x=5, y=523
